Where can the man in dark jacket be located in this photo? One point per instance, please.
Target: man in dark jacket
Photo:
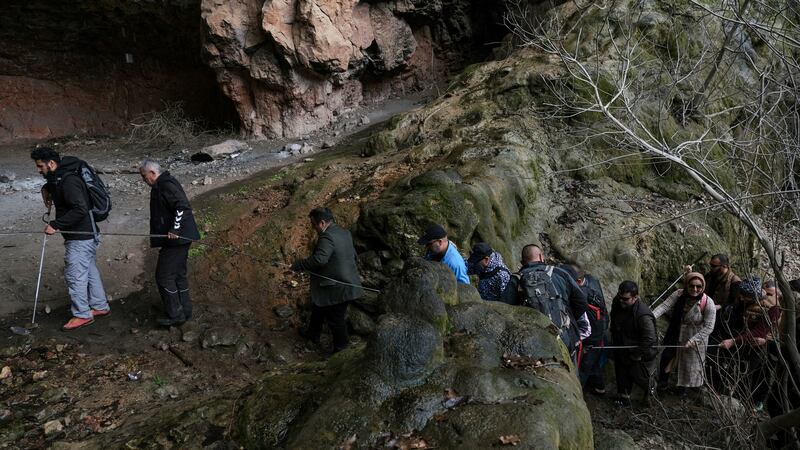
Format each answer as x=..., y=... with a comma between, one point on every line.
x=488, y=265
x=568, y=302
x=633, y=325
x=171, y=215
x=335, y=280
x=66, y=190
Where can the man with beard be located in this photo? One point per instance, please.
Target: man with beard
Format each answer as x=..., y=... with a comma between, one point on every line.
x=67, y=191
x=722, y=284
x=633, y=325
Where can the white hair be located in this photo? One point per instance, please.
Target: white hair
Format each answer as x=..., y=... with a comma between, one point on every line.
x=150, y=165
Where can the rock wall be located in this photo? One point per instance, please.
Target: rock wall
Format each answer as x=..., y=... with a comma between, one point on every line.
x=93, y=67
x=291, y=66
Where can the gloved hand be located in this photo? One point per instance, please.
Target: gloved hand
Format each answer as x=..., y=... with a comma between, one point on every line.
x=296, y=266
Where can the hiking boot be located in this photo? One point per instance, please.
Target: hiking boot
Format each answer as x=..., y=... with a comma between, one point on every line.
x=167, y=322
x=75, y=323
x=101, y=312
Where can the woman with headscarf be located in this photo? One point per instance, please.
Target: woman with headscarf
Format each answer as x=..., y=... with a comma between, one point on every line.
x=692, y=315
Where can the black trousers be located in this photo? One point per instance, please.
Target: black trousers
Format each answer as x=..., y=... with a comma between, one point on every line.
x=335, y=316
x=172, y=283
x=590, y=371
x=629, y=372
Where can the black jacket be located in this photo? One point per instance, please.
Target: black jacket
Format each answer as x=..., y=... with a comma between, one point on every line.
x=634, y=326
x=568, y=290
x=334, y=257
x=71, y=199
x=563, y=282
x=170, y=212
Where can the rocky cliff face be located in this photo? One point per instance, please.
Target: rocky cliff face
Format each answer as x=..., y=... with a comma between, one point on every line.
x=93, y=67
x=291, y=66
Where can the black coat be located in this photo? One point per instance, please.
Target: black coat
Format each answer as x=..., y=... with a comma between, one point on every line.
x=334, y=258
x=71, y=199
x=634, y=326
x=170, y=212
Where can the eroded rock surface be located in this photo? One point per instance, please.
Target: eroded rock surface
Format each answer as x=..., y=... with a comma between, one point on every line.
x=291, y=66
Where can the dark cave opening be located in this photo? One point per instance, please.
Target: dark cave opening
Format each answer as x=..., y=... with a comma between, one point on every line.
x=93, y=67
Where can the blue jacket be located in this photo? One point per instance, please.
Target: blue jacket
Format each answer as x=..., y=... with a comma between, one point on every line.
x=454, y=261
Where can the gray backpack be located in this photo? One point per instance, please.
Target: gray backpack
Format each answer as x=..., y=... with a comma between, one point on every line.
x=540, y=293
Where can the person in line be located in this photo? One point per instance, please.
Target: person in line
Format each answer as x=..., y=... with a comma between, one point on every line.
x=170, y=215
x=756, y=343
x=335, y=280
x=590, y=371
x=66, y=190
x=441, y=249
x=633, y=325
x=721, y=283
x=492, y=272
x=550, y=290
x=692, y=315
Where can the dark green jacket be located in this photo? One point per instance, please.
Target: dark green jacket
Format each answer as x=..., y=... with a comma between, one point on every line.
x=334, y=257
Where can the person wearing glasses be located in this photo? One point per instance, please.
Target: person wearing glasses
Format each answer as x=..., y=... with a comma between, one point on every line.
x=633, y=327
x=691, y=320
x=721, y=283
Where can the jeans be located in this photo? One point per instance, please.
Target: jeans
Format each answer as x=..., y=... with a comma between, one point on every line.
x=83, y=279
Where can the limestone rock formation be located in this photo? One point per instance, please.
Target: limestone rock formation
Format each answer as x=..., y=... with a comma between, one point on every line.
x=448, y=379
x=291, y=66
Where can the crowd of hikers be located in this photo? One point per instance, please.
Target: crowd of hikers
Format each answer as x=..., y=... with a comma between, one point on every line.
x=722, y=331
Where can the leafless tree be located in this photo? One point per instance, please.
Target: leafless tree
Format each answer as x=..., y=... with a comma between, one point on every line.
x=708, y=88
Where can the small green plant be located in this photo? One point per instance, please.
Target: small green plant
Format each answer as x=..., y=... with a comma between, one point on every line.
x=158, y=381
x=197, y=250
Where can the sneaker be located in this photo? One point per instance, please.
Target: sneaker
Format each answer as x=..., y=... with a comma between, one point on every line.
x=101, y=312
x=75, y=323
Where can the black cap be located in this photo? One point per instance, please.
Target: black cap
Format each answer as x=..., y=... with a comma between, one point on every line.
x=479, y=251
x=434, y=231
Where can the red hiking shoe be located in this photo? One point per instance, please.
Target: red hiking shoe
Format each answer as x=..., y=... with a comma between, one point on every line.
x=75, y=323
x=101, y=312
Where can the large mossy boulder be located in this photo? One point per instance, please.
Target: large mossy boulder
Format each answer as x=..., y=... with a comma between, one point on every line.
x=452, y=385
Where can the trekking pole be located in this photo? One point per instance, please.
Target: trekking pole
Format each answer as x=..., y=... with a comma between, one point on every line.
x=676, y=280
x=622, y=347
x=39, y=278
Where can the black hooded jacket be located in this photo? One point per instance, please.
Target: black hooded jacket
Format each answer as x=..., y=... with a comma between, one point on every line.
x=170, y=212
x=71, y=199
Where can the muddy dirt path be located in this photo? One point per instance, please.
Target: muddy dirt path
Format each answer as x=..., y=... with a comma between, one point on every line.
x=122, y=260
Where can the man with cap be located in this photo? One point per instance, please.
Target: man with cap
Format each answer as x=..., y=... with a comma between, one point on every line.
x=439, y=248
x=492, y=272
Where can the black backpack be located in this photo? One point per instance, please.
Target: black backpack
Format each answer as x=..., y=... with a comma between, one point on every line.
x=596, y=312
x=540, y=293
x=99, y=197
